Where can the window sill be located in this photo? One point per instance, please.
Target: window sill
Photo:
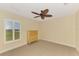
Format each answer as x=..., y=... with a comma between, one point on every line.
x=8, y=42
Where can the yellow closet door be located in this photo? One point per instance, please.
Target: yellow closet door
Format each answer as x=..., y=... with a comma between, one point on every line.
x=32, y=36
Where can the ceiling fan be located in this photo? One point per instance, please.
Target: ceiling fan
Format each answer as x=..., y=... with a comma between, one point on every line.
x=43, y=14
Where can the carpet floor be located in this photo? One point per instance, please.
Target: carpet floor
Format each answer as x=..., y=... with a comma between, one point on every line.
x=42, y=48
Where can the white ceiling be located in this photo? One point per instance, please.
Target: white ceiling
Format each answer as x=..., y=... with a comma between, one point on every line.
x=24, y=9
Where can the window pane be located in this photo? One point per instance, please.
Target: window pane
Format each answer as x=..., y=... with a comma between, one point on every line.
x=17, y=34
x=9, y=30
x=9, y=35
x=17, y=30
x=17, y=25
x=8, y=25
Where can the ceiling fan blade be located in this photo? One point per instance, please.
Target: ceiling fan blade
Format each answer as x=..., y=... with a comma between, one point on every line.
x=45, y=11
x=42, y=17
x=48, y=15
x=36, y=16
x=35, y=13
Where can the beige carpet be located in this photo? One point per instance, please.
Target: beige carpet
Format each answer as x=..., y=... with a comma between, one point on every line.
x=42, y=48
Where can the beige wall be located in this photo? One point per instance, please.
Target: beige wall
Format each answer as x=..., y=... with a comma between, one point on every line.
x=25, y=26
x=77, y=30
x=59, y=30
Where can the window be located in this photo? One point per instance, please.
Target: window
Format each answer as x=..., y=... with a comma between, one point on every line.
x=12, y=29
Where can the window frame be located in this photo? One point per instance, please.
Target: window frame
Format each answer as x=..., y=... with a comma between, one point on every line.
x=14, y=40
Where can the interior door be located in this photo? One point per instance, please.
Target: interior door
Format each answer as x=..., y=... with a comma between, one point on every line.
x=32, y=36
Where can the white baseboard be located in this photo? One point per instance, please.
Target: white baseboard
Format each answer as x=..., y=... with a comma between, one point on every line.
x=73, y=46
x=5, y=50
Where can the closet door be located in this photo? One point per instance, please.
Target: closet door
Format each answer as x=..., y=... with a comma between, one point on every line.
x=32, y=36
